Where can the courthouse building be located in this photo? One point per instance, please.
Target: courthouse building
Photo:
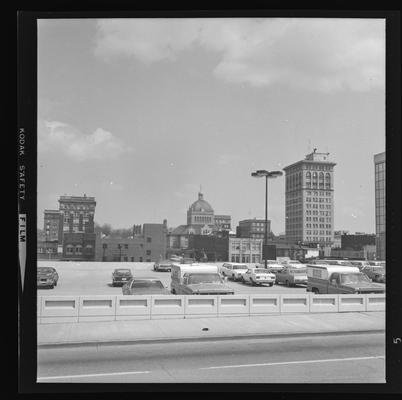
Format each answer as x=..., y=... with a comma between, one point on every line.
x=201, y=220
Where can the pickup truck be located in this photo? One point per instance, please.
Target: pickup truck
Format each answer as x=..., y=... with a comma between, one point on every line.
x=198, y=279
x=329, y=279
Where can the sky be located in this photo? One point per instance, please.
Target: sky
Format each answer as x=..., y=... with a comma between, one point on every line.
x=141, y=113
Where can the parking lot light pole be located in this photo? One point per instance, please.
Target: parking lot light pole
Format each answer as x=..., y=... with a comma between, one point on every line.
x=267, y=174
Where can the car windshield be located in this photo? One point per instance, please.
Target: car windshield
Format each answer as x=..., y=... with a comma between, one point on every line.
x=354, y=278
x=260, y=271
x=146, y=284
x=123, y=271
x=298, y=271
x=45, y=270
x=204, y=278
x=239, y=266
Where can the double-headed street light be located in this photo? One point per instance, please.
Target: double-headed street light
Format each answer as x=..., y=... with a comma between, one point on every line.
x=267, y=174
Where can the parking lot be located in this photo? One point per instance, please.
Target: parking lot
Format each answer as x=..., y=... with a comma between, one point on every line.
x=95, y=278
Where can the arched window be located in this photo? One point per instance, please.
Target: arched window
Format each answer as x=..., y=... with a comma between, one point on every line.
x=88, y=249
x=69, y=249
x=78, y=249
x=327, y=180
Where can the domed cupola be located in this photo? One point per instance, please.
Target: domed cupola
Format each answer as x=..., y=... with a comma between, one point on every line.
x=201, y=205
x=200, y=212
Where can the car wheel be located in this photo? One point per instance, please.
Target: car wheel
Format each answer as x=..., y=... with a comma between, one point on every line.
x=315, y=290
x=51, y=286
x=271, y=284
x=173, y=291
x=55, y=283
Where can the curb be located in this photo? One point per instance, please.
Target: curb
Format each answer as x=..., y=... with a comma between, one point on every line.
x=203, y=339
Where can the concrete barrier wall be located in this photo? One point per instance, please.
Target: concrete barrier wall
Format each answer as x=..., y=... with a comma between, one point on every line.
x=97, y=308
x=233, y=305
x=169, y=306
x=59, y=309
x=350, y=303
x=375, y=302
x=198, y=306
x=324, y=303
x=261, y=304
x=295, y=303
x=133, y=307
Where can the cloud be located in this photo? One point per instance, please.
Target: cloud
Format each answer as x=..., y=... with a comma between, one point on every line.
x=61, y=138
x=317, y=54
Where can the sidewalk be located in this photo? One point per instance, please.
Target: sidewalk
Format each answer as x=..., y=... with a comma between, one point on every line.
x=146, y=331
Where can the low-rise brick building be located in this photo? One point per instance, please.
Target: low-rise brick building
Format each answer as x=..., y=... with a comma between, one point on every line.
x=149, y=246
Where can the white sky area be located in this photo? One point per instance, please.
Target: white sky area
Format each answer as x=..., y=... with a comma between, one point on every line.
x=140, y=112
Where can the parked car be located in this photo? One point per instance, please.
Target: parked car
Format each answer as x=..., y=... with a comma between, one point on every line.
x=120, y=276
x=292, y=276
x=140, y=286
x=198, y=279
x=339, y=279
x=375, y=273
x=258, y=276
x=272, y=266
x=233, y=270
x=47, y=277
x=163, y=266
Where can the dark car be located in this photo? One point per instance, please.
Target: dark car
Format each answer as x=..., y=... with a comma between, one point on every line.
x=375, y=273
x=145, y=286
x=163, y=266
x=47, y=277
x=121, y=276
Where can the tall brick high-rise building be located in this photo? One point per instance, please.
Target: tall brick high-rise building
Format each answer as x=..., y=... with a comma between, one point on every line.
x=310, y=200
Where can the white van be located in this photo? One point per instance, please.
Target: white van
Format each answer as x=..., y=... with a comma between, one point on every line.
x=198, y=279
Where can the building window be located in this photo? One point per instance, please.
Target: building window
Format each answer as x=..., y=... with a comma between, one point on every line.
x=149, y=240
x=126, y=246
x=78, y=249
x=148, y=252
x=132, y=259
x=69, y=249
x=140, y=259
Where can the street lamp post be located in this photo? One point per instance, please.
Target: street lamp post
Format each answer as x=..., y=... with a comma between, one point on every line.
x=267, y=174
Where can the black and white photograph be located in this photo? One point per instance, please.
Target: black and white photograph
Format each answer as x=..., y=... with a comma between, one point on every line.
x=210, y=203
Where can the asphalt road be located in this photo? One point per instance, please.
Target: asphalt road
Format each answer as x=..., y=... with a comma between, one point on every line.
x=95, y=278
x=346, y=358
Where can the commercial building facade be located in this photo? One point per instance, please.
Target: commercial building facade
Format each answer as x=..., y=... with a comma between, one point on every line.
x=379, y=171
x=245, y=250
x=253, y=228
x=149, y=246
x=51, y=222
x=76, y=227
x=309, y=198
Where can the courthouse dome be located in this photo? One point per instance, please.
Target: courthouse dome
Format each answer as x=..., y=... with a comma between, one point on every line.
x=201, y=205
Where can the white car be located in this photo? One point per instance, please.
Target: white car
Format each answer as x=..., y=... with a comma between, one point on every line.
x=233, y=270
x=258, y=276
